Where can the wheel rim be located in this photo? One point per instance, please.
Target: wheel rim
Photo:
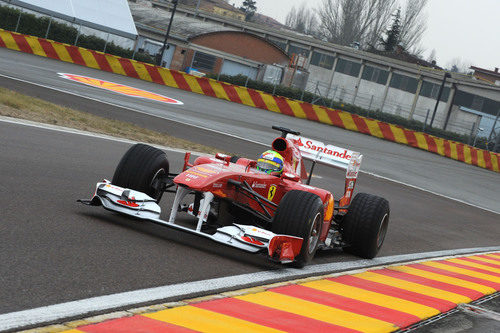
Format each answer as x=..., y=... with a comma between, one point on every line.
x=314, y=234
x=156, y=192
x=382, y=230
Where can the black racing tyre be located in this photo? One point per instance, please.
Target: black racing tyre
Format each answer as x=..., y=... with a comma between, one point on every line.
x=141, y=168
x=365, y=225
x=300, y=214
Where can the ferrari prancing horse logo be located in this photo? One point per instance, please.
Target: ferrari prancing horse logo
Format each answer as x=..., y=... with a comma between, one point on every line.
x=271, y=193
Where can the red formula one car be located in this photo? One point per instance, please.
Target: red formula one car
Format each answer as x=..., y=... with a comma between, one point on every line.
x=236, y=204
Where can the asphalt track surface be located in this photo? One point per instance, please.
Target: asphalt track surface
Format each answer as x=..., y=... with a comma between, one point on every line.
x=398, y=162
x=54, y=250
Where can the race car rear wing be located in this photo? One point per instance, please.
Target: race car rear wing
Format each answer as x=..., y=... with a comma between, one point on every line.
x=331, y=155
x=319, y=152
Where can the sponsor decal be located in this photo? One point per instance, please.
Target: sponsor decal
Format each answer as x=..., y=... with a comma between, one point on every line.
x=202, y=169
x=252, y=240
x=256, y=231
x=128, y=203
x=268, y=156
x=191, y=173
x=259, y=185
x=316, y=146
x=217, y=185
x=115, y=187
x=119, y=88
x=351, y=185
x=271, y=193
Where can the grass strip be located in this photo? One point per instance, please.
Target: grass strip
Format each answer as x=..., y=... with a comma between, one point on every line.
x=16, y=105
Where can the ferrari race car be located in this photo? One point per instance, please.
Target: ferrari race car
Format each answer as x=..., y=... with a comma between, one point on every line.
x=234, y=203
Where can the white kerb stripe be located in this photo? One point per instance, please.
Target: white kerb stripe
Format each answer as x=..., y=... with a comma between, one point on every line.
x=81, y=308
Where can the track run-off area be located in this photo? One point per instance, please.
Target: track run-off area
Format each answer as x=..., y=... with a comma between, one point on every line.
x=55, y=251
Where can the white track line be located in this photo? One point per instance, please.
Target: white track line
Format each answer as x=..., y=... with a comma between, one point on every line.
x=85, y=133
x=84, y=307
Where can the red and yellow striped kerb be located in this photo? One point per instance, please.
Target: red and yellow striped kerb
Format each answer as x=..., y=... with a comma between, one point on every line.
x=250, y=97
x=378, y=300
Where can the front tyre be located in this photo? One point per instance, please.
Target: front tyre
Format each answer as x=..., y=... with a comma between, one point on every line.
x=365, y=225
x=300, y=214
x=142, y=168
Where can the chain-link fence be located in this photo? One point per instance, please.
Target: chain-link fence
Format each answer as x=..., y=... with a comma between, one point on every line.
x=377, y=102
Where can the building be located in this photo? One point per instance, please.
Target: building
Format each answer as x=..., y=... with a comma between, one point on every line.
x=486, y=75
x=204, y=45
x=345, y=74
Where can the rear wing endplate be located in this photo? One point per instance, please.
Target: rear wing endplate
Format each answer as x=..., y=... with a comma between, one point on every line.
x=327, y=154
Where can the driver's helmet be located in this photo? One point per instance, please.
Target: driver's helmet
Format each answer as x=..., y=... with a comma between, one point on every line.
x=270, y=162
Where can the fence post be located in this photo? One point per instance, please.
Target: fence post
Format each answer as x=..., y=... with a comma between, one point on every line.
x=274, y=88
x=370, y=105
x=333, y=97
x=48, y=28
x=18, y=21
x=425, y=122
x=302, y=95
x=246, y=82
x=496, y=148
x=106, y=44
x=472, y=134
x=78, y=34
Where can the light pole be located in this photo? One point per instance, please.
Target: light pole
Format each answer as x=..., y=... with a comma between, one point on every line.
x=446, y=75
x=159, y=56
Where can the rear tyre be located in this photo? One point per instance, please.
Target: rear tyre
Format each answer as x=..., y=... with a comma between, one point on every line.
x=365, y=225
x=142, y=168
x=300, y=214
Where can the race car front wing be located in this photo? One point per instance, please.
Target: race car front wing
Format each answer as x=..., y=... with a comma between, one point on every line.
x=282, y=248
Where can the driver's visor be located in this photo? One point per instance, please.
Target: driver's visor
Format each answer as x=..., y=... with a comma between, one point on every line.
x=267, y=165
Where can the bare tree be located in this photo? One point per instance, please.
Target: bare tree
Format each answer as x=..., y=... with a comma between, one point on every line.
x=459, y=65
x=303, y=20
x=347, y=21
x=382, y=18
x=413, y=25
x=432, y=56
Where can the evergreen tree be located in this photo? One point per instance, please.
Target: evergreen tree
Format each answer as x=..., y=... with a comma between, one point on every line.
x=249, y=7
x=393, y=34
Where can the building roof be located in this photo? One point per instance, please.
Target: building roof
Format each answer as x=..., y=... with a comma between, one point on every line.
x=183, y=27
x=486, y=71
x=114, y=17
x=267, y=20
x=401, y=54
x=203, y=22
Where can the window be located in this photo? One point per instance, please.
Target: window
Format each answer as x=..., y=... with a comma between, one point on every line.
x=348, y=67
x=204, y=62
x=463, y=99
x=404, y=82
x=477, y=103
x=431, y=90
x=375, y=74
x=281, y=45
x=298, y=50
x=322, y=60
x=491, y=107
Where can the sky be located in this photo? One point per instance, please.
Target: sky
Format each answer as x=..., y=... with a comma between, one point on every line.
x=464, y=29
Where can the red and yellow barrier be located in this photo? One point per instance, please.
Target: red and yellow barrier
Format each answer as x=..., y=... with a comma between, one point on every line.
x=93, y=59
x=377, y=300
